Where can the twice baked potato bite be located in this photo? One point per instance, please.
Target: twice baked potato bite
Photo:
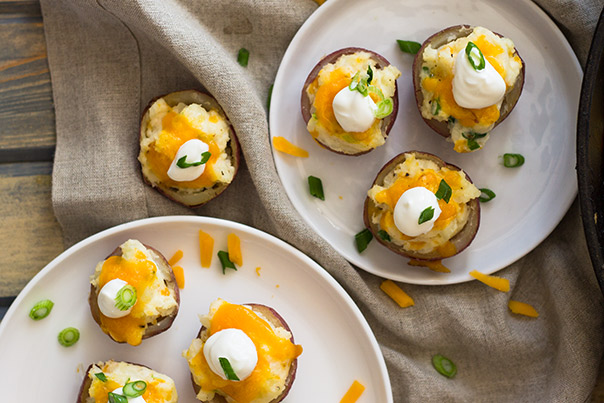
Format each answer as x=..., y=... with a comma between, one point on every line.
x=242, y=354
x=114, y=381
x=133, y=293
x=188, y=148
x=423, y=208
x=467, y=80
x=350, y=101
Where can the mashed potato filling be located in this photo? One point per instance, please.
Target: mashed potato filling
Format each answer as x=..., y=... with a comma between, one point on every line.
x=169, y=128
x=160, y=388
x=333, y=77
x=469, y=127
x=275, y=356
x=135, y=266
x=419, y=172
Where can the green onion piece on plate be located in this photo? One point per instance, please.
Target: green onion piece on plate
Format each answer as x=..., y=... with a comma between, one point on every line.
x=243, y=56
x=225, y=261
x=134, y=389
x=426, y=215
x=444, y=191
x=384, y=236
x=486, y=195
x=101, y=376
x=512, y=160
x=41, y=309
x=69, y=336
x=115, y=398
x=362, y=239
x=315, y=187
x=444, y=366
x=409, y=46
x=228, y=369
x=475, y=56
x=125, y=298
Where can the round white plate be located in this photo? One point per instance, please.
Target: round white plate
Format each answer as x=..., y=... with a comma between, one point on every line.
x=339, y=346
x=530, y=201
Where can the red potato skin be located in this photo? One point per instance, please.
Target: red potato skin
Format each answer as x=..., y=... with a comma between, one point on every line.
x=439, y=39
x=188, y=97
x=305, y=105
x=277, y=320
x=163, y=323
x=461, y=240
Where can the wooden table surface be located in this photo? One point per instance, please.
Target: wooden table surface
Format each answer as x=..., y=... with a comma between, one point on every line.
x=29, y=232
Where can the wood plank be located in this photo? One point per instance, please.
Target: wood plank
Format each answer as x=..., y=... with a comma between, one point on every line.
x=29, y=233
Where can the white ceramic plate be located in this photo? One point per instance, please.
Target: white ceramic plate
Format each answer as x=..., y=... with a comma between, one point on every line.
x=339, y=346
x=530, y=201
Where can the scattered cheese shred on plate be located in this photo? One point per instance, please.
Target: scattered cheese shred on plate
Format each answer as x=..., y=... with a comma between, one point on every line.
x=398, y=295
x=498, y=283
x=174, y=259
x=206, y=248
x=434, y=265
x=522, y=308
x=258, y=270
x=179, y=275
x=354, y=392
x=234, y=248
x=283, y=145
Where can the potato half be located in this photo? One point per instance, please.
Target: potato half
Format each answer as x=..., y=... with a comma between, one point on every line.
x=188, y=196
x=460, y=241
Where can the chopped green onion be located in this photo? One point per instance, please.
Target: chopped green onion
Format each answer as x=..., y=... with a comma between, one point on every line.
x=69, y=336
x=359, y=84
x=134, y=389
x=369, y=74
x=377, y=91
x=125, y=298
x=435, y=106
x=476, y=61
x=384, y=108
x=384, y=235
x=409, y=46
x=243, y=57
x=471, y=137
x=444, y=366
x=225, y=261
x=41, y=309
x=426, y=215
x=488, y=195
x=268, y=98
x=473, y=144
x=316, y=187
x=512, y=160
x=426, y=70
x=451, y=121
x=115, y=398
x=314, y=116
x=228, y=369
x=362, y=239
x=444, y=191
x=182, y=162
x=101, y=376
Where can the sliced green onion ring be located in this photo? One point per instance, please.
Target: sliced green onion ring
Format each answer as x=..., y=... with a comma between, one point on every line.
x=228, y=369
x=134, y=389
x=362, y=239
x=384, y=108
x=444, y=191
x=115, y=398
x=476, y=61
x=225, y=261
x=243, y=56
x=488, y=195
x=426, y=215
x=41, y=309
x=125, y=298
x=101, y=376
x=384, y=236
x=182, y=162
x=354, y=81
x=69, y=336
x=444, y=366
x=512, y=160
x=315, y=187
x=435, y=106
x=410, y=47
x=369, y=74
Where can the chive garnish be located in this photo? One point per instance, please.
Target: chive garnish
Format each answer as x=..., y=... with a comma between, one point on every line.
x=41, y=309
x=125, y=298
x=512, y=160
x=488, y=195
x=436, y=106
x=101, y=376
x=134, y=389
x=409, y=46
x=369, y=74
x=315, y=187
x=182, y=162
x=115, y=398
x=384, y=108
x=476, y=61
x=444, y=366
x=69, y=336
x=243, y=57
x=268, y=98
x=426, y=215
x=362, y=239
x=384, y=236
x=228, y=369
x=426, y=70
x=444, y=191
x=471, y=138
x=225, y=261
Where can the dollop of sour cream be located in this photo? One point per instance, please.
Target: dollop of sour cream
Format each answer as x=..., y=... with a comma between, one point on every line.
x=353, y=111
x=476, y=89
x=235, y=346
x=409, y=208
x=138, y=399
x=192, y=149
x=106, y=299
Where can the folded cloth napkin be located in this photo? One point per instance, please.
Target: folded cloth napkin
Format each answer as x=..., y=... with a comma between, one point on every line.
x=109, y=58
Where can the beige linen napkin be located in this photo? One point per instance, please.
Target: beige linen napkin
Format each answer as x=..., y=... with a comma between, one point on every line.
x=109, y=58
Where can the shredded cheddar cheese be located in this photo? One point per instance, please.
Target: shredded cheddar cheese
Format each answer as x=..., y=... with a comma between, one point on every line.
x=175, y=258
x=397, y=294
x=283, y=145
x=179, y=275
x=434, y=265
x=234, y=249
x=354, y=392
x=206, y=248
x=522, y=308
x=498, y=283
